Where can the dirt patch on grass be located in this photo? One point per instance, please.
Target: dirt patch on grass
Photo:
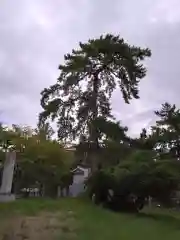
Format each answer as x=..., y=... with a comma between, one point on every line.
x=46, y=226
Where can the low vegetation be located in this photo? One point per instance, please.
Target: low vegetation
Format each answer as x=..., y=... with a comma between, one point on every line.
x=77, y=219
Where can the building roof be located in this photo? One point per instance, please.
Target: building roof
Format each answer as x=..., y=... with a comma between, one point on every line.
x=79, y=170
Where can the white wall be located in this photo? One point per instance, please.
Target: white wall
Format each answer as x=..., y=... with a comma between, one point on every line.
x=81, y=178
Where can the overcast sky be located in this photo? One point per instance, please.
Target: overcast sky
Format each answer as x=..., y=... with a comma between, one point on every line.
x=35, y=34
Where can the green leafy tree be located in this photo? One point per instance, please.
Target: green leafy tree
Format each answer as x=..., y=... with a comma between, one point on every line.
x=86, y=83
x=43, y=161
x=39, y=159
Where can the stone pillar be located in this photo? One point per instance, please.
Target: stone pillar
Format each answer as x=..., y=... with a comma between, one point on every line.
x=150, y=202
x=58, y=191
x=7, y=177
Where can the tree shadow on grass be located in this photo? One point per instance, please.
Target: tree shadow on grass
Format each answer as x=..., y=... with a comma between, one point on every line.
x=163, y=218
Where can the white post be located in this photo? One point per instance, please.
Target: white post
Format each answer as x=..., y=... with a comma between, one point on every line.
x=7, y=177
x=150, y=201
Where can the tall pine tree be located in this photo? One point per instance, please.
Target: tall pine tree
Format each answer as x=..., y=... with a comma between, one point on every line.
x=86, y=83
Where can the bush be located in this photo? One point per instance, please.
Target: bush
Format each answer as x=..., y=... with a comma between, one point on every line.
x=104, y=187
x=126, y=186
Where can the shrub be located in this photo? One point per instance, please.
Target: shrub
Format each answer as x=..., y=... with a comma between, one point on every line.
x=126, y=186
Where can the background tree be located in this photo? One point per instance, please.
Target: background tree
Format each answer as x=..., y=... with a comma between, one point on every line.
x=39, y=159
x=114, y=143
x=44, y=130
x=167, y=131
x=145, y=141
x=86, y=83
x=113, y=146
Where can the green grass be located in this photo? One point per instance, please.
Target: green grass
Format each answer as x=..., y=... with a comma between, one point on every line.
x=99, y=224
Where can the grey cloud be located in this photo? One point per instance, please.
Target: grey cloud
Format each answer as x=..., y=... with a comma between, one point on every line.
x=164, y=69
x=34, y=37
x=144, y=119
x=161, y=83
x=102, y=15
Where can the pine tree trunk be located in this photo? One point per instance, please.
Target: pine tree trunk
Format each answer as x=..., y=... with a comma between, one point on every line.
x=94, y=133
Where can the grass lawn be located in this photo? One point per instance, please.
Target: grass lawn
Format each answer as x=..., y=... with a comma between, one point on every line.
x=77, y=219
